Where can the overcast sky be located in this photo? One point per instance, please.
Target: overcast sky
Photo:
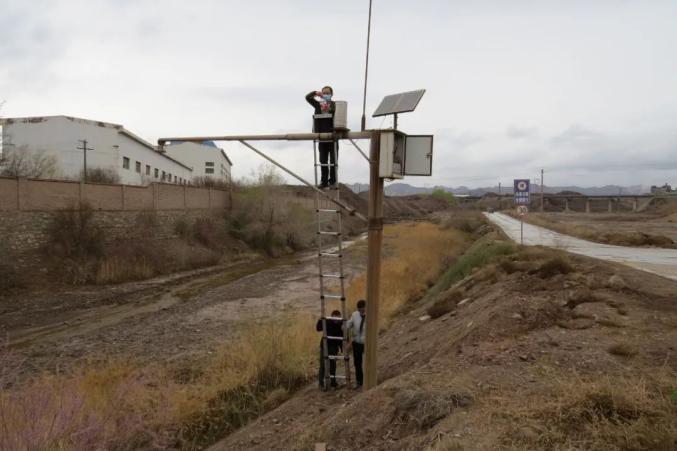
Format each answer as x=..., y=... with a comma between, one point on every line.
x=585, y=89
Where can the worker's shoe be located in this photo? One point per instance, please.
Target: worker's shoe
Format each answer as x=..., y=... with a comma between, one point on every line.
x=333, y=185
x=323, y=185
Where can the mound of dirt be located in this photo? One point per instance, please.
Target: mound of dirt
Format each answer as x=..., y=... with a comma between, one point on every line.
x=531, y=352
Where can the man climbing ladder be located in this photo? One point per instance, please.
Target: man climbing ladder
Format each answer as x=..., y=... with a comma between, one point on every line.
x=329, y=242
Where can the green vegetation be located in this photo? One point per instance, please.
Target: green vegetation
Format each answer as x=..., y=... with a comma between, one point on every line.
x=446, y=196
x=482, y=252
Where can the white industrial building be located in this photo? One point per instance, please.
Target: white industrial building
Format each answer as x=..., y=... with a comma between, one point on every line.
x=206, y=159
x=136, y=161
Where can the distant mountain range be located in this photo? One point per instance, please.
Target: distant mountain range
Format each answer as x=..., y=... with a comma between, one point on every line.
x=404, y=189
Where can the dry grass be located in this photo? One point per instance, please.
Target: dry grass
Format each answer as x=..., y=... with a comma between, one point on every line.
x=128, y=405
x=624, y=413
x=623, y=349
x=423, y=408
x=419, y=253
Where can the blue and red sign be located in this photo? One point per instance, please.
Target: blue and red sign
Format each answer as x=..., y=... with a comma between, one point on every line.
x=522, y=188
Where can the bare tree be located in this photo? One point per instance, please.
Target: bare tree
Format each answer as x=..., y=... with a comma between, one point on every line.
x=21, y=162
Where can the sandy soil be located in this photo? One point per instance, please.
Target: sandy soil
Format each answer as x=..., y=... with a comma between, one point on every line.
x=484, y=375
x=172, y=319
x=612, y=223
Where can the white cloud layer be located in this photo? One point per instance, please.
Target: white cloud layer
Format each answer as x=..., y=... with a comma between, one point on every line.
x=584, y=89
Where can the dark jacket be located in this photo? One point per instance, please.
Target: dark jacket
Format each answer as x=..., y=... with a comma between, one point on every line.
x=334, y=329
x=325, y=125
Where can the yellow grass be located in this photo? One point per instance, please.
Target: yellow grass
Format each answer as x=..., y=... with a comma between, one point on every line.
x=127, y=404
x=416, y=254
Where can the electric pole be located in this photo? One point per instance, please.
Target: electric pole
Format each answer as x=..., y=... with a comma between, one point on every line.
x=541, y=190
x=500, y=199
x=84, y=149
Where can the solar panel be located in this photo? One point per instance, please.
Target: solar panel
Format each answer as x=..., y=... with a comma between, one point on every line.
x=399, y=103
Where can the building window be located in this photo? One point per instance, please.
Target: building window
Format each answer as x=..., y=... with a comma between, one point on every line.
x=175, y=179
x=147, y=169
x=164, y=175
x=138, y=167
x=157, y=173
x=209, y=163
x=209, y=170
x=125, y=163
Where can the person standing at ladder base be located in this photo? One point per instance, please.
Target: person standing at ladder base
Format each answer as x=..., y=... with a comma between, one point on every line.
x=334, y=346
x=323, y=122
x=358, y=324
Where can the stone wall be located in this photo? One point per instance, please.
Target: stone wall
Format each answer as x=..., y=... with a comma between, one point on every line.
x=25, y=233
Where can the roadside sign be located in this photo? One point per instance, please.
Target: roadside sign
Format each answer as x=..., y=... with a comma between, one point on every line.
x=522, y=210
x=521, y=191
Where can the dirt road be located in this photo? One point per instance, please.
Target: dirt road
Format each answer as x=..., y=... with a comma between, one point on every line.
x=658, y=261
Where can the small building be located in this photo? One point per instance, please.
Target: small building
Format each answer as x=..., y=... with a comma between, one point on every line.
x=661, y=189
x=206, y=159
x=113, y=148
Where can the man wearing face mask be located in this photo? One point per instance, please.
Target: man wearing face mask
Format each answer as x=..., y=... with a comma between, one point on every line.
x=323, y=122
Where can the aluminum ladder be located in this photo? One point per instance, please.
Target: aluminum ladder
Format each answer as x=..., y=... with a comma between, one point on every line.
x=330, y=266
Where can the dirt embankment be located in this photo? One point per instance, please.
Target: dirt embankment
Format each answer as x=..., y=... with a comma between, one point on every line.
x=630, y=229
x=538, y=349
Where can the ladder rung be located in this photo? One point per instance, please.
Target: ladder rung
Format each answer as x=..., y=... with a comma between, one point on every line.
x=327, y=210
x=338, y=357
x=335, y=338
x=337, y=318
x=325, y=164
x=323, y=232
x=332, y=276
x=337, y=377
x=329, y=254
x=331, y=296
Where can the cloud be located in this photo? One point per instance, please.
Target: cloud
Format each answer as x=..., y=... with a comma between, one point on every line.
x=515, y=132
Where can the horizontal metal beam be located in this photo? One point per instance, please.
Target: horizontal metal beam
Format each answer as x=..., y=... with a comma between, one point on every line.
x=280, y=137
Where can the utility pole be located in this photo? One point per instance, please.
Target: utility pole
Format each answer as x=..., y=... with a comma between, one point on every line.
x=84, y=149
x=500, y=200
x=375, y=238
x=541, y=190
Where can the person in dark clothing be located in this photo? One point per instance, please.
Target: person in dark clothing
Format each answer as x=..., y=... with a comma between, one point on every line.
x=334, y=329
x=325, y=107
x=358, y=324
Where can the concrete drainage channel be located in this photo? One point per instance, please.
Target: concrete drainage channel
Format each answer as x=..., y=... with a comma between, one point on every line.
x=662, y=262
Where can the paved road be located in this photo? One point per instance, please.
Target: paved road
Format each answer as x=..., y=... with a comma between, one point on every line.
x=655, y=260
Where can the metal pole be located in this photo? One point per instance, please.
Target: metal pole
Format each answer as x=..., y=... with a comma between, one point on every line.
x=352, y=211
x=358, y=149
x=375, y=238
x=84, y=153
x=278, y=137
x=522, y=229
x=395, y=121
x=541, y=190
x=366, y=73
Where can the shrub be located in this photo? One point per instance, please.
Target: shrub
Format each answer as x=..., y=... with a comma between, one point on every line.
x=445, y=196
x=210, y=182
x=265, y=219
x=182, y=228
x=10, y=276
x=102, y=175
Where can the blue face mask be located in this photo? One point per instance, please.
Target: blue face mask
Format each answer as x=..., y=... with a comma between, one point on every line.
x=326, y=97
